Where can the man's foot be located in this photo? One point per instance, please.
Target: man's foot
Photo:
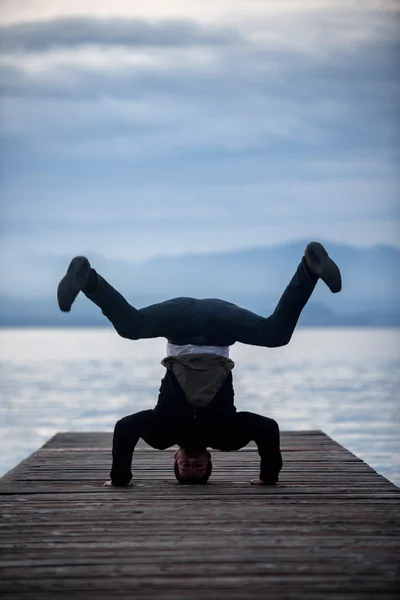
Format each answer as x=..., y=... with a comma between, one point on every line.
x=322, y=265
x=72, y=283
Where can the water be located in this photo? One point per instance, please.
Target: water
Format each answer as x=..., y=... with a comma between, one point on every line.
x=345, y=382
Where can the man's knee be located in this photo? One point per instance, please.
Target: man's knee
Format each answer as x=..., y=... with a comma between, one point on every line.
x=273, y=335
x=281, y=338
x=126, y=331
x=128, y=324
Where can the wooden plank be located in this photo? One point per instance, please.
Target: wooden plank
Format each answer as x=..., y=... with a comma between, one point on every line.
x=331, y=529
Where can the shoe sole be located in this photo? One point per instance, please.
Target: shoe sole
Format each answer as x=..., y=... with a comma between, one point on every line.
x=71, y=284
x=324, y=266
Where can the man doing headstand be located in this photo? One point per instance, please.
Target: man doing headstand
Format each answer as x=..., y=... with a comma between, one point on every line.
x=195, y=407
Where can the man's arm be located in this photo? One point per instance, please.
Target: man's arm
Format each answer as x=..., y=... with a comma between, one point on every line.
x=127, y=432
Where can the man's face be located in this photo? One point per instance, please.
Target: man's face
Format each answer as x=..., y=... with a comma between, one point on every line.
x=192, y=463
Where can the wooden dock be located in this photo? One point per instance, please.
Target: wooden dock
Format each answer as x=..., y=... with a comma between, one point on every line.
x=329, y=531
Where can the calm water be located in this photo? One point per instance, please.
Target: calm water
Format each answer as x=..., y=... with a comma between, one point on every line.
x=345, y=382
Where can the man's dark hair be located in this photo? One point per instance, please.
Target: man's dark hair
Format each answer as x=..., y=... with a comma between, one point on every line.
x=193, y=480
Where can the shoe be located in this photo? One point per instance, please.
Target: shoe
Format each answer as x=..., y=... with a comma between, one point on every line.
x=72, y=283
x=322, y=265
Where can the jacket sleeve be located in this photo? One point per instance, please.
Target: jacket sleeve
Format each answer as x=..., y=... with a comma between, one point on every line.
x=127, y=432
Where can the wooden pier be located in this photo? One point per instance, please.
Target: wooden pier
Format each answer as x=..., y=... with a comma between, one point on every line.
x=330, y=530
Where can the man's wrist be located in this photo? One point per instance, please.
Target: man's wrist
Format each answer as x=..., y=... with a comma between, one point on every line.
x=269, y=479
x=113, y=483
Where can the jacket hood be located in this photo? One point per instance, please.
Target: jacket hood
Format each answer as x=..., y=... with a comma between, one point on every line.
x=199, y=375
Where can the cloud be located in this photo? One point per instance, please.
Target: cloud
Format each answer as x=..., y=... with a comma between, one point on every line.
x=145, y=134
x=75, y=32
x=215, y=11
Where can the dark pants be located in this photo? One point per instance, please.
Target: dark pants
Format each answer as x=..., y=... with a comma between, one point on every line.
x=208, y=321
x=232, y=434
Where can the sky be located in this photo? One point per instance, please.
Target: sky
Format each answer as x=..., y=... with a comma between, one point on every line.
x=135, y=129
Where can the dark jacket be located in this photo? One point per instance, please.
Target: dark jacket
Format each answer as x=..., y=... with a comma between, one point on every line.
x=210, y=375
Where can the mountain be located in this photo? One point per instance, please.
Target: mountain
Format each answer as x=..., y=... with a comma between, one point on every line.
x=254, y=278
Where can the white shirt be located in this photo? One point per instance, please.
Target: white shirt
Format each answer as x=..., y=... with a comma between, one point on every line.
x=175, y=350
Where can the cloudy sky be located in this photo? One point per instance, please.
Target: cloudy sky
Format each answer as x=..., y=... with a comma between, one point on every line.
x=132, y=129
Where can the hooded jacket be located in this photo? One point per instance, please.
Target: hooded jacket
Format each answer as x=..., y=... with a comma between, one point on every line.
x=197, y=385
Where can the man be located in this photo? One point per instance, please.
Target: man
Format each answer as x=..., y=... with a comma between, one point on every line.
x=195, y=407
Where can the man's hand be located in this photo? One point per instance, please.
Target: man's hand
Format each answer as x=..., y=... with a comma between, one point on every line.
x=260, y=482
x=109, y=483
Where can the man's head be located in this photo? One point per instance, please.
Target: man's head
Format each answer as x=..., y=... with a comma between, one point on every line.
x=192, y=465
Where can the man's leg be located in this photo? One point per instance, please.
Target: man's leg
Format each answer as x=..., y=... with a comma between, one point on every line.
x=175, y=318
x=233, y=323
x=244, y=427
x=228, y=323
x=170, y=319
x=146, y=424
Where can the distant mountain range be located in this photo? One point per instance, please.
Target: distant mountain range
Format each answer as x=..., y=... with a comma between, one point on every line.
x=253, y=278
